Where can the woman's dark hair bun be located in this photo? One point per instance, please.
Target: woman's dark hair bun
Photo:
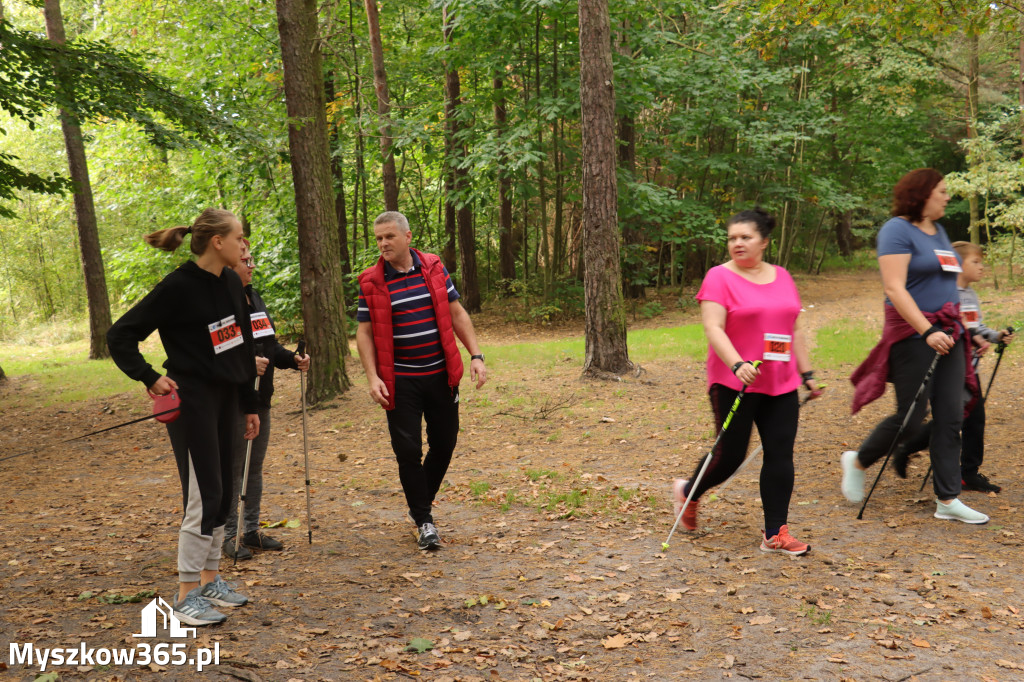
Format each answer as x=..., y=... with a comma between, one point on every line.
x=762, y=219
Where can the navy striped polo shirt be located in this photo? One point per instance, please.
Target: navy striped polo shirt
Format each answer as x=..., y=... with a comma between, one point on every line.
x=418, y=350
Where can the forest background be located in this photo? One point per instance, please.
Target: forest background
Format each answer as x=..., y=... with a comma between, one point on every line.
x=467, y=117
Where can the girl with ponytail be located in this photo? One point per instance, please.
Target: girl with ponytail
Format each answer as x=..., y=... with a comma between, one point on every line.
x=201, y=313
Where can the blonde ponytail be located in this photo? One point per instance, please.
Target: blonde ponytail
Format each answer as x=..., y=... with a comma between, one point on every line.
x=210, y=223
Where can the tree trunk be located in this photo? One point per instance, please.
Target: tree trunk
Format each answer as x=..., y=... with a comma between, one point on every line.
x=844, y=233
x=973, y=68
x=338, y=175
x=85, y=212
x=457, y=208
x=506, y=240
x=3, y=377
x=380, y=86
x=605, y=327
x=323, y=312
x=360, y=181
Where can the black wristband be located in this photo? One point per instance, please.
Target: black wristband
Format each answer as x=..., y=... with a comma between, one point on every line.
x=736, y=367
x=931, y=330
x=807, y=376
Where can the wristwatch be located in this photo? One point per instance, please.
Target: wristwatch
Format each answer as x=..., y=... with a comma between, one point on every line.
x=477, y=357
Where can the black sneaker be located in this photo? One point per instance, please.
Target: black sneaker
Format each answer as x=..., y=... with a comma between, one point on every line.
x=899, y=461
x=429, y=539
x=257, y=540
x=980, y=483
x=229, y=550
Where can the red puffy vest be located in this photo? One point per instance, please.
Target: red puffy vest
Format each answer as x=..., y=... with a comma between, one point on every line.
x=378, y=300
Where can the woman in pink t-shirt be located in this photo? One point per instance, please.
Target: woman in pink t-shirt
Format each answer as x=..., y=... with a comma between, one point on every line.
x=750, y=309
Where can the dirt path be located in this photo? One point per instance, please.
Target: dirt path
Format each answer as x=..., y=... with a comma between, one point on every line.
x=553, y=517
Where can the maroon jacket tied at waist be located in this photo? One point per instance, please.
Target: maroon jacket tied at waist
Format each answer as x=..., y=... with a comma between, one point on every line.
x=869, y=379
x=378, y=300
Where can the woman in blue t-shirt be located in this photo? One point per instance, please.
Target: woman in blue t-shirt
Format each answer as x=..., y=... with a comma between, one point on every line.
x=919, y=269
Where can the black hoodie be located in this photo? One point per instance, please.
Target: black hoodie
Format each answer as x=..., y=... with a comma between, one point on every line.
x=267, y=346
x=195, y=312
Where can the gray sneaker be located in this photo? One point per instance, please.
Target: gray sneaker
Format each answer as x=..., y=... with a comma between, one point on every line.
x=196, y=610
x=220, y=593
x=429, y=539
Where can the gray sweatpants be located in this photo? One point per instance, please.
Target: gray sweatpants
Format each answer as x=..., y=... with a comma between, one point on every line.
x=254, y=491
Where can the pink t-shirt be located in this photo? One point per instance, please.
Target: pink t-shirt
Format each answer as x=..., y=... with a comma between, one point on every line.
x=760, y=319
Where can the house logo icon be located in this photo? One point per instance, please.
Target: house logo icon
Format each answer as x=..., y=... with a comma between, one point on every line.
x=159, y=610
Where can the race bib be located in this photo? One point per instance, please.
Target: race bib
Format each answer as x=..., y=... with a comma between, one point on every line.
x=225, y=334
x=970, y=315
x=777, y=347
x=261, y=325
x=948, y=261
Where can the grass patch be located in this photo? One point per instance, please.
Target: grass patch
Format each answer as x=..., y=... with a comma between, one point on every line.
x=65, y=373
x=478, y=488
x=846, y=342
x=537, y=474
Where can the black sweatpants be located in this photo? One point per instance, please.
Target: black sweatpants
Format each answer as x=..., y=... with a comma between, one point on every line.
x=417, y=399
x=972, y=435
x=776, y=417
x=908, y=361
x=202, y=438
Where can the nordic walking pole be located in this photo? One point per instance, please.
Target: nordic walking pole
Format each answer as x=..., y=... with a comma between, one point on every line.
x=245, y=485
x=755, y=453
x=707, y=459
x=903, y=426
x=305, y=442
x=999, y=358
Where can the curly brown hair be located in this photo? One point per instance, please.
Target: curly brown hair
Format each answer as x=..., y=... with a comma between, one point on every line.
x=912, y=191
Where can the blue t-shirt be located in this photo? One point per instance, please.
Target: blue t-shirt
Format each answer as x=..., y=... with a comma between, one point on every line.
x=928, y=283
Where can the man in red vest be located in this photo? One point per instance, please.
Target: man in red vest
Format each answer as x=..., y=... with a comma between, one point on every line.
x=409, y=316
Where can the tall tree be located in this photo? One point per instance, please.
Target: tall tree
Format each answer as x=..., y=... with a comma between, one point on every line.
x=380, y=86
x=338, y=175
x=605, y=327
x=506, y=240
x=85, y=212
x=457, y=208
x=323, y=312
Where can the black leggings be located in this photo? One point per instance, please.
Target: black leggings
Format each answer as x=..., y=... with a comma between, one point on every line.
x=908, y=362
x=776, y=417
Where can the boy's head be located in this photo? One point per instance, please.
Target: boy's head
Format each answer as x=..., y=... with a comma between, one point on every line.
x=973, y=259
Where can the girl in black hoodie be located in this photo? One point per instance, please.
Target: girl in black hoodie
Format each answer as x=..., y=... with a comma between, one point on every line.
x=201, y=313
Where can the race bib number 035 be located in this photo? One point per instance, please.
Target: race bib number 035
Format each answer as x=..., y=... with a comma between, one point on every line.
x=261, y=325
x=777, y=347
x=225, y=334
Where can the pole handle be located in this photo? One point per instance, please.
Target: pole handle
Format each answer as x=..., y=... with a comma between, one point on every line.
x=301, y=350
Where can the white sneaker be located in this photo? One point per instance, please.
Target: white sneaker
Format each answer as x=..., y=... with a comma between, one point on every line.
x=958, y=511
x=853, y=478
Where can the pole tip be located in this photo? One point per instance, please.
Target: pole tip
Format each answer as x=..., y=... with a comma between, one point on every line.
x=664, y=547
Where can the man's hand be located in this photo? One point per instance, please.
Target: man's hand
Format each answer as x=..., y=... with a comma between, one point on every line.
x=378, y=391
x=261, y=365
x=303, y=362
x=252, y=426
x=163, y=386
x=478, y=372
x=1005, y=336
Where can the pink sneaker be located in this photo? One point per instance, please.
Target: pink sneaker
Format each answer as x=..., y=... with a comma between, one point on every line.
x=679, y=499
x=784, y=542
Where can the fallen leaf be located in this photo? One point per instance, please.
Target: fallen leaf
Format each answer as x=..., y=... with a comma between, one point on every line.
x=921, y=643
x=761, y=620
x=419, y=645
x=729, y=661
x=615, y=642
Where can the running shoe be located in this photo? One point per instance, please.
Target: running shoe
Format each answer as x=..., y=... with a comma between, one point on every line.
x=257, y=540
x=980, y=483
x=679, y=499
x=429, y=538
x=853, y=478
x=958, y=511
x=196, y=610
x=220, y=593
x=784, y=542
